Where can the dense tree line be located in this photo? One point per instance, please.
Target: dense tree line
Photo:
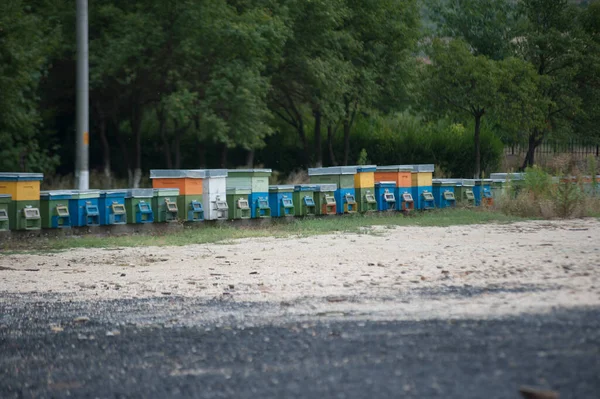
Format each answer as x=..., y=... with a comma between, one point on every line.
x=207, y=83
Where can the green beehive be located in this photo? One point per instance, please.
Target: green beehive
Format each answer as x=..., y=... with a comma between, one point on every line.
x=54, y=209
x=463, y=192
x=304, y=199
x=341, y=176
x=325, y=199
x=190, y=208
x=257, y=180
x=164, y=204
x=237, y=200
x=24, y=215
x=5, y=201
x=138, y=203
x=365, y=197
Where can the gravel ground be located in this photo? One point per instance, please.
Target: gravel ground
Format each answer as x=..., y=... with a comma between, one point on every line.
x=181, y=347
x=457, y=312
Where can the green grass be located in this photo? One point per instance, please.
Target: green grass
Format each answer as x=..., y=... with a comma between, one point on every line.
x=299, y=227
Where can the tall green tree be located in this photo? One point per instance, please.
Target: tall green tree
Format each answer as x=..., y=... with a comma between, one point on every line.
x=27, y=41
x=553, y=41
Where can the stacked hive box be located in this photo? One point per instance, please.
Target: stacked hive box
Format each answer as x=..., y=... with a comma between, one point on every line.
x=112, y=207
x=421, y=179
x=281, y=201
x=325, y=203
x=304, y=199
x=483, y=192
x=54, y=209
x=214, y=187
x=24, y=189
x=138, y=203
x=364, y=183
x=84, y=209
x=401, y=176
x=443, y=192
x=463, y=191
x=384, y=194
x=190, y=206
x=5, y=200
x=164, y=204
x=257, y=181
x=238, y=202
x=343, y=178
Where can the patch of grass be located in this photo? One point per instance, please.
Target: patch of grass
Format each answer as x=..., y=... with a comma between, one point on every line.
x=226, y=234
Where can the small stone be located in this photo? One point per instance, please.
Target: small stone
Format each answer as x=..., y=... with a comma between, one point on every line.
x=336, y=299
x=81, y=319
x=56, y=328
x=113, y=333
x=253, y=272
x=123, y=274
x=532, y=393
x=166, y=293
x=370, y=264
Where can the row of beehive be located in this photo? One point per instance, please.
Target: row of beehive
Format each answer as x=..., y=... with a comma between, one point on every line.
x=196, y=195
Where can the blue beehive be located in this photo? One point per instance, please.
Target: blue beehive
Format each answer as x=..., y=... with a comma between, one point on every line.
x=112, y=207
x=443, y=192
x=281, y=201
x=259, y=205
x=83, y=208
x=482, y=190
x=384, y=194
x=405, y=199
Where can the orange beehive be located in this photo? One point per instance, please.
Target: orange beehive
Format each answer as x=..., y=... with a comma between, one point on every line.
x=399, y=174
x=189, y=182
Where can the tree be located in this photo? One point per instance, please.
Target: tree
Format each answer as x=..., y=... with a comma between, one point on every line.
x=26, y=42
x=461, y=84
x=553, y=42
x=488, y=26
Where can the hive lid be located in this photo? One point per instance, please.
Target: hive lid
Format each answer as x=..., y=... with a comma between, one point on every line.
x=282, y=187
x=5, y=196
x=239, y=190
x=366, y=168
x=334, y=170
x=140, y=193
x=305, y=187
x=395, y=168
x=113, y=192
x=326, y=187
x=447, y=181
x=506, y=176
x=177, y=173
x=468, y=182
x=234, y=171
x=424, y=168
x=216, y=173
x=55, y=193
x=166, y=192
x=5, y=176
x=393, y=183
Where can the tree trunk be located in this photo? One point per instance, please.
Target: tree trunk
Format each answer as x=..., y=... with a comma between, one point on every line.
x=201, y=156
x=477, y=146
x=535, y=139
x=348, y=121
x=250, y=158
x=177, y=147
x=224, y=151
x=330, y=133
x=165, y=140
x=136, y=129
x=346, y=141
x=304, y=141
x=105, y=150
x=318, y=147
